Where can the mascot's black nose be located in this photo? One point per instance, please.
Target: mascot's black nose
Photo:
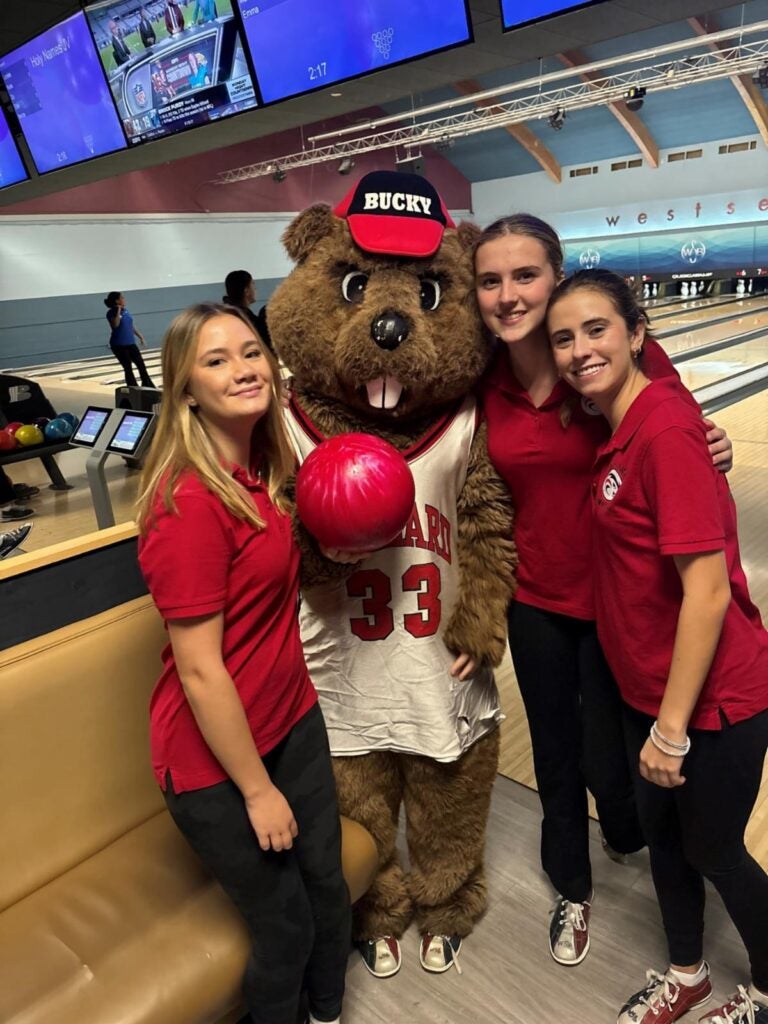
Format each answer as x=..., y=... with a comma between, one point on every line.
x=389, y=330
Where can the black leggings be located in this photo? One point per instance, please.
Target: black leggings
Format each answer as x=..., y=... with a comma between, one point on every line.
x=295, y=903
x=697, y=829
x=126, y=355
x=574, y=716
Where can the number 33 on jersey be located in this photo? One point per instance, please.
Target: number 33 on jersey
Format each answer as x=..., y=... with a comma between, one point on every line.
x=373, y=641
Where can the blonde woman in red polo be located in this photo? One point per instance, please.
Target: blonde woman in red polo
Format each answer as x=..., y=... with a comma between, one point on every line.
x=238, y=741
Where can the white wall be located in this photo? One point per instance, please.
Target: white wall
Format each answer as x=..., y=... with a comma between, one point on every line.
x=46, y=256
x=588, y=206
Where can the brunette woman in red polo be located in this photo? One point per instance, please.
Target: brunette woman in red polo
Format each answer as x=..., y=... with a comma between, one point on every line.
x=238, y=740
x=542, y=439
x=683, y=639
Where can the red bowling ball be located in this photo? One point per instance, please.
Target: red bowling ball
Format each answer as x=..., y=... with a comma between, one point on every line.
x=354, y=492
x=7, y=440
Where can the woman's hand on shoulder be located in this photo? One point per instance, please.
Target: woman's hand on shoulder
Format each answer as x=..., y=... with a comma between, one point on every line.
x=272, y=819
x=720, y=447
x=659, y=768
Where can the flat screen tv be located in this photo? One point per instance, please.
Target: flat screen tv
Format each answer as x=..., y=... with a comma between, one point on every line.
x=297, y=46
x=515, y=13
x=61, y=98
x=171, y=66
x=12, y=169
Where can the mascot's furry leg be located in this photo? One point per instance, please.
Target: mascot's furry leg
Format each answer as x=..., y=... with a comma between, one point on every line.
x=370, y=789
x=447, y=809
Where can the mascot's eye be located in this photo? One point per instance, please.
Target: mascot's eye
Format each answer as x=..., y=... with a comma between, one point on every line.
x=430, y=293
x=353, y=286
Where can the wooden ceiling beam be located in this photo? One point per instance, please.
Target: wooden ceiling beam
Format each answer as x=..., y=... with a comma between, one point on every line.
x=749, y=91
x=530, y=142
x=633, y=125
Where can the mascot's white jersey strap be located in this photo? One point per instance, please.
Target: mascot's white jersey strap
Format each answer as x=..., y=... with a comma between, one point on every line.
x=373, y=641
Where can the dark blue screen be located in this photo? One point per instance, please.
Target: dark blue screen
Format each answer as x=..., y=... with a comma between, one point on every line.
x=61, y=97
x=300, y=45
x=12, y=168
x=518, y=12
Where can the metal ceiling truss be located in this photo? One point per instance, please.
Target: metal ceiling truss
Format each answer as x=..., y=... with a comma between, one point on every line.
x=742, y=58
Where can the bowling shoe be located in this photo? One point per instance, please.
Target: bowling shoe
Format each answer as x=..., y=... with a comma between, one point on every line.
x=569, y=931
x=438, y=953
x=23, y=491
x=11, y=540
x=17, y=513
x=663, y=999
x=381, y=956
x=740, y=1009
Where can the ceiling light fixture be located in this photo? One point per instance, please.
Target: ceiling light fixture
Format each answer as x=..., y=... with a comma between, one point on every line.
x=634, y=97
x=557, y=119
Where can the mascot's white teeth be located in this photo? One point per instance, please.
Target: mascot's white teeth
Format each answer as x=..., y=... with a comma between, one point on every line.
x=384, y=393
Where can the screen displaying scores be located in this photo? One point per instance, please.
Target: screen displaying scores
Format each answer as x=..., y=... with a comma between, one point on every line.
x=301, y=45
x=12, y=169
x=522, y=12
x=171, y=66
x=61, y=98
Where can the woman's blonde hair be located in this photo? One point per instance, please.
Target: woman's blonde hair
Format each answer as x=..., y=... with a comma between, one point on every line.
x=181, y=443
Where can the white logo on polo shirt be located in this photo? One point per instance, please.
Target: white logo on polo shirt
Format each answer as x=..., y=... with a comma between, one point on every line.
x=611, y=485
x=589, y=407
x=398, y=201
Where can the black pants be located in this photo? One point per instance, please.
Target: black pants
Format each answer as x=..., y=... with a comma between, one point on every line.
x=575, y=720
x=6, y=488
x=697, y=829
x=295, y=903
x=127, y=355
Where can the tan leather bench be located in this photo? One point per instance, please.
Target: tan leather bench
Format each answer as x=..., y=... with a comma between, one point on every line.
x=106, y=917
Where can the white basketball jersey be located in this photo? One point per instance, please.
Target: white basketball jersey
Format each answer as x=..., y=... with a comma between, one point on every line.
x=373, y=641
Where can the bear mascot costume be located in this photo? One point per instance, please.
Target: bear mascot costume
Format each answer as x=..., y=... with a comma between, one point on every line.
x=378, y=325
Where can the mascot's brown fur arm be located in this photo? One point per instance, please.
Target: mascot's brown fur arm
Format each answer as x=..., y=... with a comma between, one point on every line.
x=316, y=569
x=487, y=561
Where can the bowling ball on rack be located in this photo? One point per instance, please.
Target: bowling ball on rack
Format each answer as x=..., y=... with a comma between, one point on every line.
x=13, y=426
x=354, y=492
x=7, y=441
x=42, y=422
x=29, y=435
x=58, y=430
x=70, y=417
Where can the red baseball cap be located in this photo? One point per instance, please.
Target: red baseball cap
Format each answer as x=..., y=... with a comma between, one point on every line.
x=395, y=214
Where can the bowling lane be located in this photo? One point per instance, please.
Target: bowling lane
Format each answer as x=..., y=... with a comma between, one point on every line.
x=734, y=312
x=702, y=333
x=707, y=369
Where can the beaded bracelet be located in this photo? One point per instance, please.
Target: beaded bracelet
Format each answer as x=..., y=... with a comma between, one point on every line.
x=686, y=746
x=664, y=745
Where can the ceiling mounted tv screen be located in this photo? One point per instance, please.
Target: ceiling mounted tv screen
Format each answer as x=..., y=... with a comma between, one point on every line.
x=12, y=169
x=171, y=66
x=515, y=13
x=300, y=45
x=61, y=98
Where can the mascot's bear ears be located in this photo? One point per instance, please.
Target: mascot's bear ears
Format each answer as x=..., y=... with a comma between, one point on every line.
x=388, y=213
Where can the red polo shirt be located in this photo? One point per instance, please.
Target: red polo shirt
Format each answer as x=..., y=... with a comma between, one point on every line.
x=548, y=469
x=203, y=561
x=655, y=495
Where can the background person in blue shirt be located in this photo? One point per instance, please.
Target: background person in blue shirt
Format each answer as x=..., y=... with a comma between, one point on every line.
x=122, y=340
x=205, y=10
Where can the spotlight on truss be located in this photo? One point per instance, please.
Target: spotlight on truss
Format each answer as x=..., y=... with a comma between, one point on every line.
x=634, y=97
x=557, y=119
x=278, y=174
x=346, y=165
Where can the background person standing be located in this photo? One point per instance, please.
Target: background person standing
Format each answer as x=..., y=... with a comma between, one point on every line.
x=121, y=340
